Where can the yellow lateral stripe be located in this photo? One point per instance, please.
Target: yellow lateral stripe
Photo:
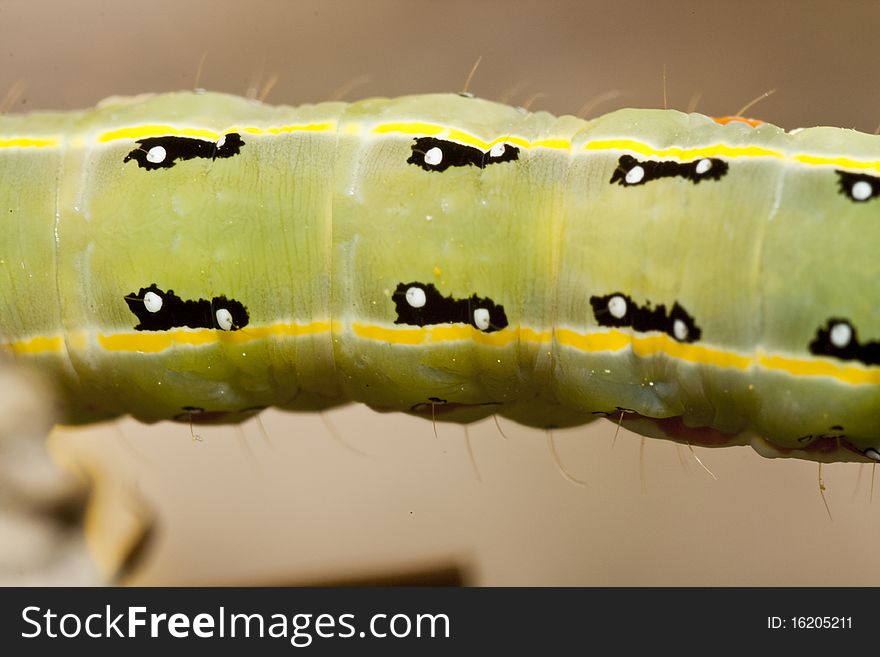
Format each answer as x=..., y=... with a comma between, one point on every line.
x=410, y=128
x=384, y=334
x=853, y=374
x=40, y=344
x=29, y=142
x=535, y=337
x=688, y=154
x=680, y=153
x=591, y=342
x=145, y=131
x=446, y=333
x=327, y=126
x=843, y=162
x=154, y=342
x=661, y=343
x=466, y=138
x=460, y=136
x=453, y=332
x=555, y=144
x=651, y=345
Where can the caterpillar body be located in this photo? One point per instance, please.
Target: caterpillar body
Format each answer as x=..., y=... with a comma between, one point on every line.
x=198, y=256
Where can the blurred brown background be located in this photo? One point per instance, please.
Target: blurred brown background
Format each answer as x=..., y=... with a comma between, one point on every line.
x=296, y=505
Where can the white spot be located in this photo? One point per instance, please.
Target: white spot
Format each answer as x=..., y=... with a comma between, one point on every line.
x=152, y=302
x=434, y=156
x=680, y=330
x=221, y=141
x=497, y=150
x=872, y=453
x=861, y=190
x=224, y=319
x=703, y=166
x=415, y=297
x=481, y=318
x=156, y=154
x=841, y=335
x=617, y=306
x=635, y=175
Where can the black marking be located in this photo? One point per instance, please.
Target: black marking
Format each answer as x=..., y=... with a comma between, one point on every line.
x=176, y=312
x=645, y=318
x=655, y=169
x=184, y=148
x=438, y=309
x=848, y=180
x=867, y=353
x=813, y=437
x=620, y=410
x=508, y=154
x=199, y=415
x=454, y=154
x=442, y=406
x=188, y=413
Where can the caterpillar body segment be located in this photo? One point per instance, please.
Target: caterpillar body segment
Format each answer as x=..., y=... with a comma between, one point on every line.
x=201, y=257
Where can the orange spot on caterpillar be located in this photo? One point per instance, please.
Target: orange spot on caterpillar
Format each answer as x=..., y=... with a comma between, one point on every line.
x=724, y=120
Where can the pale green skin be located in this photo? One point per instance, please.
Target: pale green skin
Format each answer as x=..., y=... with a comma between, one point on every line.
x=311, y=226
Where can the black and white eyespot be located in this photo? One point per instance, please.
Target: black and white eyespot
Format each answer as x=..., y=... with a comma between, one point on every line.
x=432, y=154
x=501, y=152
x=482, y=319
x=156, y=155
x=160, y=310
x=680, y=330
x=858, y=187
x=703, y=166
x=840, y=335
x=422, y=304
x=224, y=319
x=635, y=175
x=613, y=310
x=683, y=327
x=497, y=150
x=617, y=310
x=415, y=297
x=163, y=152
x=631, y=171
x=617, y=306
x=229, y=314
x=872, y=453
x=152, y=302
x=861, y=190
x=839, y=339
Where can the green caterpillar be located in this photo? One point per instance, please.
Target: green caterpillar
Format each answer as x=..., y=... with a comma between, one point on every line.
x=198, y=256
